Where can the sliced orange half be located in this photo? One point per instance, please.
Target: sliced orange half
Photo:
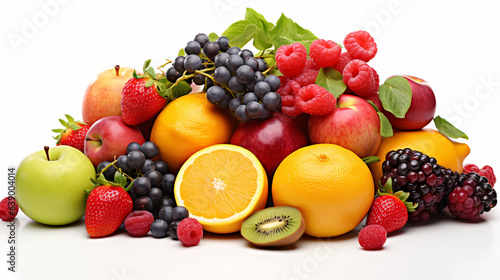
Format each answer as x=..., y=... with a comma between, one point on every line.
x=221, y=186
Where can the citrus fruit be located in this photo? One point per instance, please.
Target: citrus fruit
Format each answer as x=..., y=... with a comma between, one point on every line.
x=448, y=153
x=221, y=186
x=187, y=125
x=330, y=185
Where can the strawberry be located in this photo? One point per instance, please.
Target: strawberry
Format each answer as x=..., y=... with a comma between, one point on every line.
x=140, y=100
x=73, y=133
x=106, y=208
x=389, y=209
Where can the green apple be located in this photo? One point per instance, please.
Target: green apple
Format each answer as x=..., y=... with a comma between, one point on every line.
x=51, y=184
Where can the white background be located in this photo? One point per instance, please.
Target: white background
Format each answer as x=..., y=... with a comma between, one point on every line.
x=453, y=45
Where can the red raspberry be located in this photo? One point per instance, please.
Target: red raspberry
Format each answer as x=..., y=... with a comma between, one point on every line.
x=289, y=106
x=468, y=168
x=307, y=77
x=324, y=53
x=372, y=237
x=315, y=100
x=189, y=232
x=138, y=222
x=344, y=58
x=290, y=87
x=8, y=209
x=486, y=171
x=360, y=78
x=360, y=45
x=291, y=59
x=311, y=65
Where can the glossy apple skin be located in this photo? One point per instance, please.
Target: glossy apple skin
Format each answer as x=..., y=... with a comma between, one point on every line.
x=354, y=124
x=270, y=140
x=108, y=138
x=103, y=95
x=422, y=108
x=53, y=192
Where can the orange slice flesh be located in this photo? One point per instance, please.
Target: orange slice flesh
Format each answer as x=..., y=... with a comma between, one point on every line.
x=221, y=186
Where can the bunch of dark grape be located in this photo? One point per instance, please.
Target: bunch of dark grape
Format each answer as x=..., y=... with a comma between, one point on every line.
x=153, y=185
x=234, y=79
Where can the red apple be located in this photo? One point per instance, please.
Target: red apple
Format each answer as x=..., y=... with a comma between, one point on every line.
x=103, y=95
x=108, y=138
x=270, y=140
x=422, y=108
x=353, y=124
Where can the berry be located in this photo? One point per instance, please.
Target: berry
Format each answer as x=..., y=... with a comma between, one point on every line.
x=192, y=47
x=215, y=95
x=233, y=62
x=167, y=183
x=202, y=39
x=122, y=164
x=73, y=133
x=148, y=165
x=141, y=186
x=109, y=173
x=199, y=79
x=165, y=214
x=390, y=210
x=271, y=101
x=140, y=103
x=211, y=49
x=307, y=77
x=178, y=65
x=250, y=96
x=261, y=88
x=222, y=75
x=240, y=113
x=133, y=146
x=154, y=177
x=105, y=209
x=172, y=74
x=486, y=171
x=360, y=78
x=372, y=237
x=161, y=166
x=192, y=63
x=233, y=104
x=244, y=74
x=344, y=59
x=311, y=65
x=233, y=51
x=245, y=53
x=143, y=203
x=315, y=100
x=135, y=159
x=291, y=59
x=138, y=223
x=253, y=109
x=472, y=197
x=220, y=59
x=159, y=228
x=223, y=42
x=234, y=85
x=289, y=106
x=189, y=232
x=8, y=209
x=149, y=149
x=156, y=196
x=272, y=80
x=180, y=213
x=360, y=45
x=262, y=65
x=172, y=229
x=167, y=201
x=324, y=53
x=420, y=175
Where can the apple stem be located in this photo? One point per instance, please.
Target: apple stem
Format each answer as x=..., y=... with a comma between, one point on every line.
x=46, y=148
x=117, y=70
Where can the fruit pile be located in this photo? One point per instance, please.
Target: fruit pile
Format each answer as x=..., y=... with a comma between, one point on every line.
x=293, y=138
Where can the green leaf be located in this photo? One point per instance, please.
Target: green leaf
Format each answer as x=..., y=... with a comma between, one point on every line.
x=395, y=95
x=331, y=80
x=262, y=41
x=371, y=159
x=240, y=33
x=149, y=83
x=64, y=123
x=373, y=105
x=120, y=179
x=146, y=65
x=447, y=129
x=385, y=125
x=181, y=52
x=259, y=20
x=58, y=130
x=212, y=36
x=69, y=118
x=181, y=89
x=151, y=72
x=135, y=75
x=287, y=32
x=74, y=126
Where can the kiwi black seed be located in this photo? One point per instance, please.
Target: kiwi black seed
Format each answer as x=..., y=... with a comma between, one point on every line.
x=274, y=226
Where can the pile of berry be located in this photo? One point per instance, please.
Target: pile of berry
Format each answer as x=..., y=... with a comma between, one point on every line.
x=234, y=79
x=152, y=192
x=298, y=90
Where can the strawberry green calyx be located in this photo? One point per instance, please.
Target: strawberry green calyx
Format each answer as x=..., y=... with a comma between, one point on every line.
x=69, y=123
x=403, y=196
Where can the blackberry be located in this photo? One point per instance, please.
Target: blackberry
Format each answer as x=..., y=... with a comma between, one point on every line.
x=472, y=196
x=420, y=175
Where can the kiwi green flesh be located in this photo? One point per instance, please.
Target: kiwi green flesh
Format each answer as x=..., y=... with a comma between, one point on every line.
x=274, y=226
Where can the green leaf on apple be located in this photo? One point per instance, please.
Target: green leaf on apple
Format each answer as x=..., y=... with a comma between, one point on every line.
x=447, y=129
x=395, y=94
x=385, y=125
x=331, y=80
x=212, y=37
x=371, y=159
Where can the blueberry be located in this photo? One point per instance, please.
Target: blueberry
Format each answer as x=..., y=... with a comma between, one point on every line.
x=165, y=214
x=179, y=213
x=156, y=195
x=141, y=186
x=149, y=149
x=159, y=228
x=167, y=201
x=167, y=183
x=143, y=203
x=172, y=229
x=135, y=159
x=155, y=177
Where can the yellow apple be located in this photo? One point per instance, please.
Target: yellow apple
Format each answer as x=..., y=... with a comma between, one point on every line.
x=104, y=94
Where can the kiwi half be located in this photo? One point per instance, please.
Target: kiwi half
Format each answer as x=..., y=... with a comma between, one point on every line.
x=274, y=226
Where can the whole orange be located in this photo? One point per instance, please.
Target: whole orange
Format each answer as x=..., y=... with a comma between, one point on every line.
x=431, y=142
x=187, y=125
x=330, y=185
